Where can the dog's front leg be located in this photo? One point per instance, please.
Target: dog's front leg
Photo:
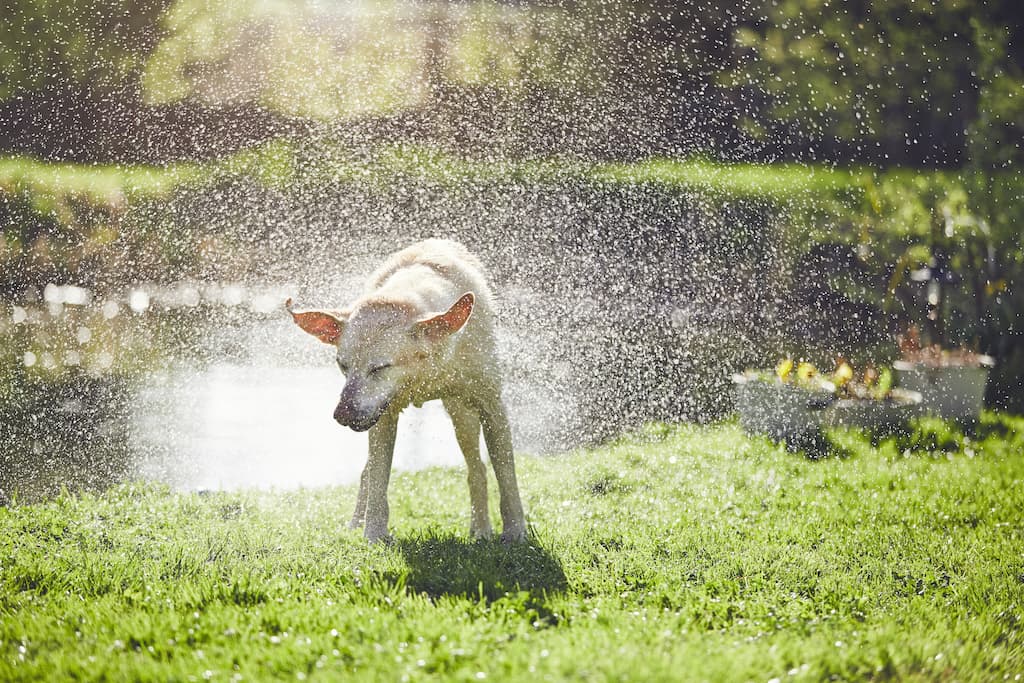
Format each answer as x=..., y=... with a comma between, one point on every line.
x=376, y=477
x=498, y=437
x=359, y=516
x=466, y=421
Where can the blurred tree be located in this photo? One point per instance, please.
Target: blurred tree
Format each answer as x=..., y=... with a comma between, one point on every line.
x=71, y=88
x=894, y=81
x=294, y=57
x=47, y=45
x=997, y=131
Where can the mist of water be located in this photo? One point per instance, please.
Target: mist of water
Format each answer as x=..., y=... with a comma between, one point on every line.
x=616, y=307
x=619, y=302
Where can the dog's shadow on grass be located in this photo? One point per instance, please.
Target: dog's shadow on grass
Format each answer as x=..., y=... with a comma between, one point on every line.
x=489, y=570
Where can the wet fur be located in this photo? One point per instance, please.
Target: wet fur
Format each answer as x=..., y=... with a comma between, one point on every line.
x=401, y=316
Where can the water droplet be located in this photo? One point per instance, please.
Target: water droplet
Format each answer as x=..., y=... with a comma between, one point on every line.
x=76, y=296
x=232, y=295
x=138, y=300
x=52, y=294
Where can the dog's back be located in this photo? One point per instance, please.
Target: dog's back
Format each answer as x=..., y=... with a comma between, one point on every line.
x=436, y=271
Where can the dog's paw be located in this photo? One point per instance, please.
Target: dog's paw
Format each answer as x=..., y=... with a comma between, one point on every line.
x=378, y=536
x=514, y=535
x=481, y=534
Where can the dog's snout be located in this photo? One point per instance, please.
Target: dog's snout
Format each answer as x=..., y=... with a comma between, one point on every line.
x=354, y=414
x=342, y=414
x=352, y=420
x=345, y=413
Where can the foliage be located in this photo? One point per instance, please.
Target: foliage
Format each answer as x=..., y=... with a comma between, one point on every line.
x=74, y=222
x=649, y=558
x=890, y=222
x=284, y=56
x=857, y=236
x=892, y=82
x=867, y=383
x=996, y=133
x=881, y=82
x=47, y=45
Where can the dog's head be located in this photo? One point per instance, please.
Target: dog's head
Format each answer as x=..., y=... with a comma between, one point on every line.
x=383, y=348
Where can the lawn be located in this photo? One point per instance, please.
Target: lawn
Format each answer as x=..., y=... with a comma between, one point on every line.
x=675, y=553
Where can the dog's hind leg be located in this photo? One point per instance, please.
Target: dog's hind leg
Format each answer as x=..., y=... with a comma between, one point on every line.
x=467, y=432
x=498, y=437
x=374, y=482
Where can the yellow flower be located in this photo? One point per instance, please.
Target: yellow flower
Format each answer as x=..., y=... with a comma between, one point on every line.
x=843, y=373
x=784, y=368
x=805, y=371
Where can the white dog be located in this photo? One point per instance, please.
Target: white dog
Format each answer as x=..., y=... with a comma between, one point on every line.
x=422, y=330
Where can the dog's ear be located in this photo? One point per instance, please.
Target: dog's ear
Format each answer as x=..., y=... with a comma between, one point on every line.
x=440, y=326
x=326, y=326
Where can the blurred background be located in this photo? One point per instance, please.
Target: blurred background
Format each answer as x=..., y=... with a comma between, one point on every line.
x=664, y=193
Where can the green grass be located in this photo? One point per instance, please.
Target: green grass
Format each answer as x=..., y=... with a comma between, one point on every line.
x=677, y=553
x=103, y=185
x=775, y=181
x=820, y=201
x=281, y=163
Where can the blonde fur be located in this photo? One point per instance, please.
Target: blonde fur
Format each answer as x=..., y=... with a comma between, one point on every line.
x=423, y=329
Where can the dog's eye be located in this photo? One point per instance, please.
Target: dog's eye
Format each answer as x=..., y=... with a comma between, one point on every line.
x=377, y=368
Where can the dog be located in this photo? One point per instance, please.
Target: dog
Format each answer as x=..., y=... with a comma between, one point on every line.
x=423, y=329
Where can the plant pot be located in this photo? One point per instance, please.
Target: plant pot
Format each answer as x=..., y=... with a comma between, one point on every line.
x=782, y=412
x=952, y=392
x=880, y=416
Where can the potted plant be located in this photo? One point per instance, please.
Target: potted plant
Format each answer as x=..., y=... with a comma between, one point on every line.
x=951, y=382
x=950, y=379
x=784, y=405
x=795, y=401
x=869, y=400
